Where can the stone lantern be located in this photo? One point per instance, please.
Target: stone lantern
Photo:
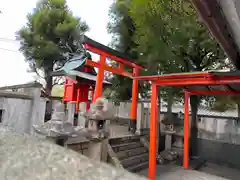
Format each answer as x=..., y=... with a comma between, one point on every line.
x=98, y=130
x=168, y=130
x=178, y=144
x=57, y=129
x=168, y=124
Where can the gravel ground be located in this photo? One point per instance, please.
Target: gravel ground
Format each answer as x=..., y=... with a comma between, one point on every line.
x=173, y=172
x=29, y=158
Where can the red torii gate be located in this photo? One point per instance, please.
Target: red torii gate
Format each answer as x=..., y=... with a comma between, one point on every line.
x=105, y=52
x=198, y=83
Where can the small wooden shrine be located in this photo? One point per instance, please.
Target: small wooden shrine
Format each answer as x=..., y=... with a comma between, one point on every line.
x=79, y=84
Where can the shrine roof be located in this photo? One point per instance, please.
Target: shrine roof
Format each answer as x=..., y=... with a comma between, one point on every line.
x=82, y=75
x=211, y=82
x=222, y=19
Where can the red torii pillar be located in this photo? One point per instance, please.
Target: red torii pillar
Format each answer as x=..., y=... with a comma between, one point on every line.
x=100, y=78
x=99, y=89
x=186, y=131
x=153, y=133
x=133, y=113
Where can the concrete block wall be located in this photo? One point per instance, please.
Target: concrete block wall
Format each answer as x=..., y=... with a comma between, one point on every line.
x=16, y=113
x=22, y=106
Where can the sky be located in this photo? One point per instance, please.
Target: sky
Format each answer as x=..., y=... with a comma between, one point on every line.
x=13, y=69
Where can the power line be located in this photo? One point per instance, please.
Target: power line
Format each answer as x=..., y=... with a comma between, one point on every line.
x=11, y=50
x=8, y=40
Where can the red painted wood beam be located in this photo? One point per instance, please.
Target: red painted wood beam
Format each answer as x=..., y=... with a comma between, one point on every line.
x=115, y=70
x=114, y=58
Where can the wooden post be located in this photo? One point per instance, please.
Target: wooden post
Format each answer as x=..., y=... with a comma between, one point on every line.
x=133, y=113
x=100, y=78
x=153, y=134
x=78, y=99
x=186, y=131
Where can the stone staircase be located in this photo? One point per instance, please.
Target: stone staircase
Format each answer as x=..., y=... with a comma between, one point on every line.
x=130, y=152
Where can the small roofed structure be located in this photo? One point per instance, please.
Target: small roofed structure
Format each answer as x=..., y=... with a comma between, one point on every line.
x=80, y=80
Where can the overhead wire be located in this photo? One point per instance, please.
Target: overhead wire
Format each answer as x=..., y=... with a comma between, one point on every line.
x=11, y=50
x=8, y=40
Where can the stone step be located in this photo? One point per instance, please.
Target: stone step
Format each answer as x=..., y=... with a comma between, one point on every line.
x=126, y=139
x=126, y=146
x=134, y=160
x=138, y=167
x=132, y=152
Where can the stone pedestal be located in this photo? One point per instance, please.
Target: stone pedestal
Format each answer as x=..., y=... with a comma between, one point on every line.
x=168, y=140
x=139, y=119
x=97, y=150
x=70, y=112
x=81, y=119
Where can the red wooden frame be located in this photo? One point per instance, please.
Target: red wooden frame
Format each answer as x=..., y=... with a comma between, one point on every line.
x=182, y=80
x=117, y=59
x=102, y=66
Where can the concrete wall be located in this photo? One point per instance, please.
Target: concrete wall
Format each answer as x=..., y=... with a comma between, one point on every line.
x=16, y=113
x=22, y=106
x=220, y=152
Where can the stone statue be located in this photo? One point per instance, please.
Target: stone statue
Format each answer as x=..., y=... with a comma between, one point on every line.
x=97, y=119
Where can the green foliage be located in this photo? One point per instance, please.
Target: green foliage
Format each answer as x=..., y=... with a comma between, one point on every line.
x=172, y=39
x=224, y=103
x=57, y=91
x=50, y=37
x=170, y=34
x=122, y=28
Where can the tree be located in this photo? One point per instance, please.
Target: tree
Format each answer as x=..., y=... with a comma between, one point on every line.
x=122, y=27
x=171, y=36
x=224, y=103
x=50, y=37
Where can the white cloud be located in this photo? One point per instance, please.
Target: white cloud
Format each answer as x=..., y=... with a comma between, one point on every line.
x=13, y=69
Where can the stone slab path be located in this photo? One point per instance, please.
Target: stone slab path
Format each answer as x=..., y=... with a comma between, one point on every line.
x=173, y=172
